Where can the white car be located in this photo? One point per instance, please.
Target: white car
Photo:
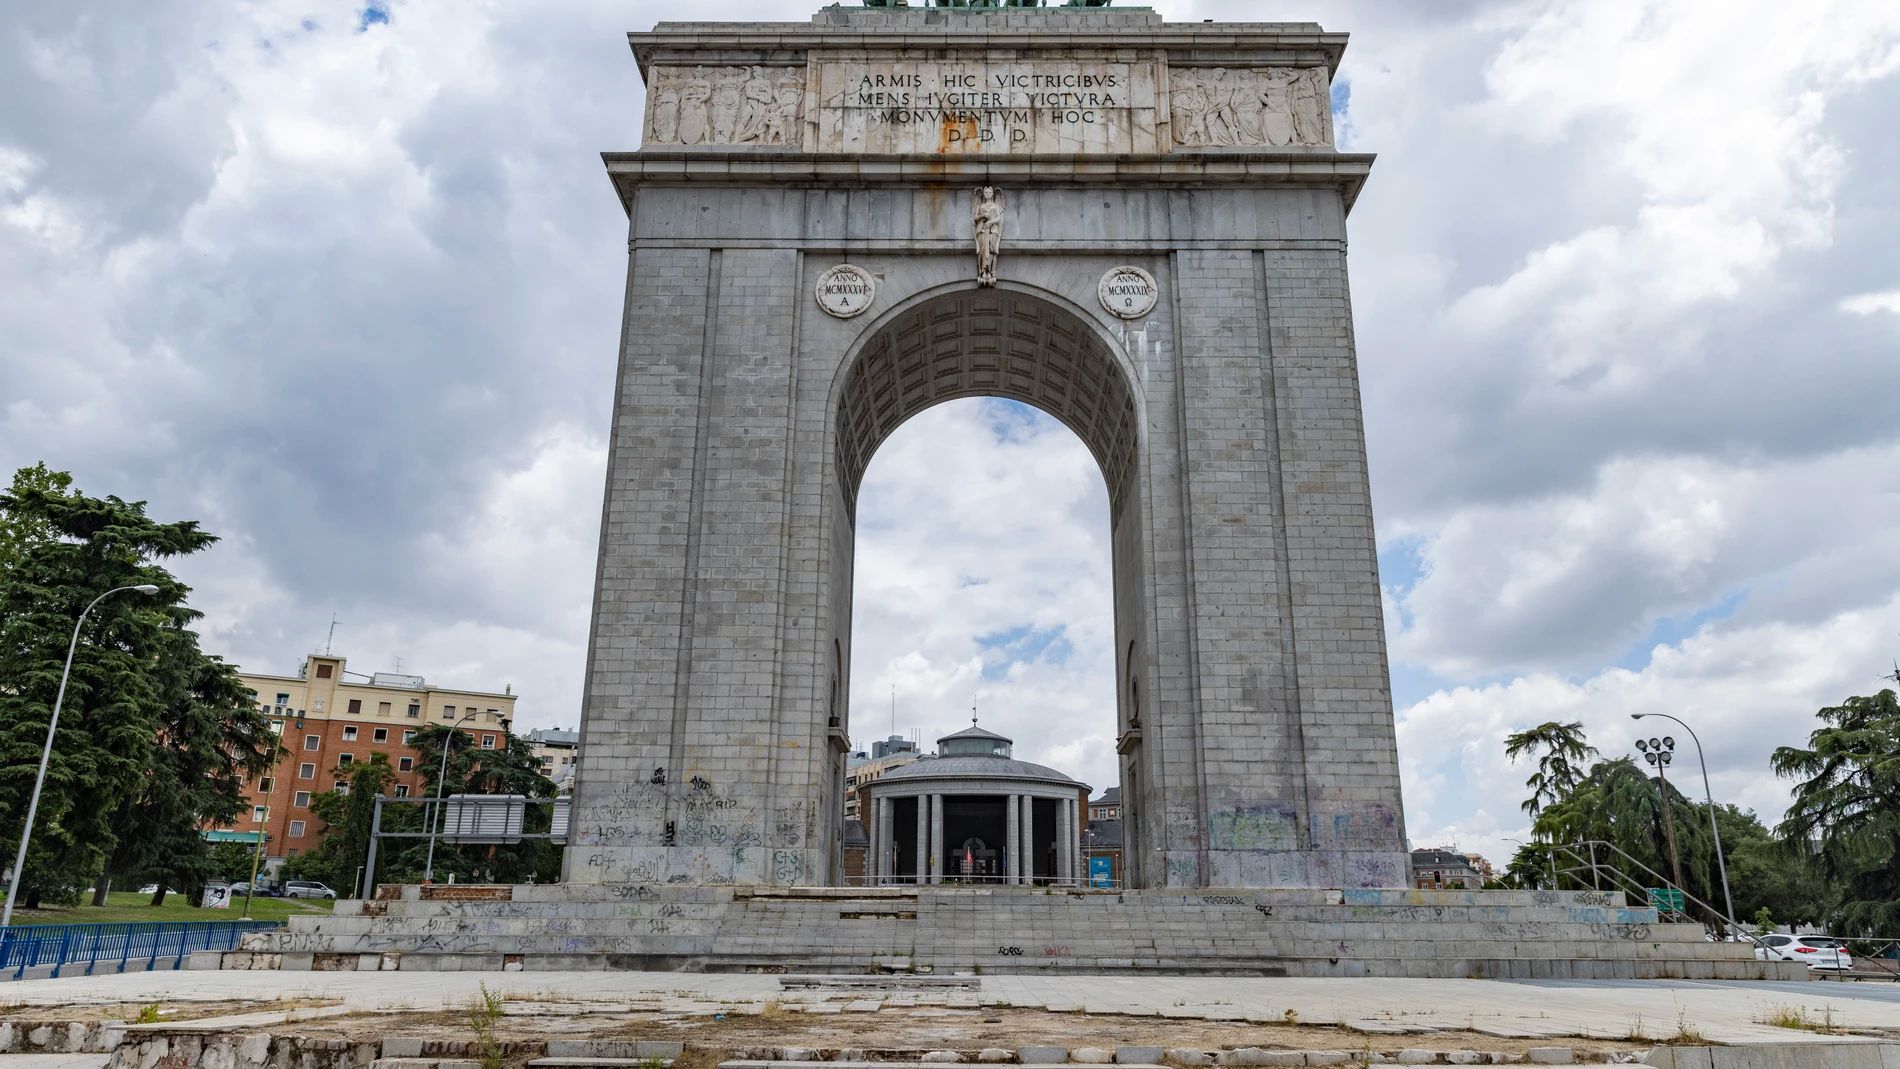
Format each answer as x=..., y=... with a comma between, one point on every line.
x=306, y=889
x=1814, y=951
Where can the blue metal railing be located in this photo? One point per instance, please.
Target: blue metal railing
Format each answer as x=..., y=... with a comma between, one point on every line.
x=149, y=944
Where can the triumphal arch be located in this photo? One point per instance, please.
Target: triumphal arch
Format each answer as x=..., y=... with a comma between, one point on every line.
x=1136, y=226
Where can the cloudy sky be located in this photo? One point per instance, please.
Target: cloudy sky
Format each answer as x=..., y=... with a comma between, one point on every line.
x=343, y=283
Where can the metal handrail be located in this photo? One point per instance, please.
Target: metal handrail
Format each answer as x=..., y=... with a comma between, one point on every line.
x=1591, y=863
x=26, y=946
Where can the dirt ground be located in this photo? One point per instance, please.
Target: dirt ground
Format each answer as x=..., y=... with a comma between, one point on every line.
x=911, y=1029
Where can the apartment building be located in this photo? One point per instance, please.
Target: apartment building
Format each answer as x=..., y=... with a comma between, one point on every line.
x=558, y=749
x=329, y=721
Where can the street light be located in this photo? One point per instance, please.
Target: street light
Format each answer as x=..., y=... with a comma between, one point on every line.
x=1720, y=864
x=1659, y=753
x=428, y=868
x=46, y=752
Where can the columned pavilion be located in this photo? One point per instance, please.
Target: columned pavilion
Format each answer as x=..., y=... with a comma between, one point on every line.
x=974, y=814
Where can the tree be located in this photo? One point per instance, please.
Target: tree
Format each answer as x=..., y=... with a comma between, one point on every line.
x=154, y=734
x=1767, y=876
x=510, y=768
x=1560, y=768
x=1618, y=803
x=1846, y=808
x=19, y=532
x=346, y=812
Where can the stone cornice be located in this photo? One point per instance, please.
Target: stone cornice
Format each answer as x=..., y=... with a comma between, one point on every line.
x=630, y=170
x=1188, y=44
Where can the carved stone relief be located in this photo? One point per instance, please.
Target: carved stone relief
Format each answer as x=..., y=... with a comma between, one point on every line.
x=1217, y=106
x=726, y=106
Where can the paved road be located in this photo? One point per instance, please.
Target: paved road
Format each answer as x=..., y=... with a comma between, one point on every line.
x=1724, y=1011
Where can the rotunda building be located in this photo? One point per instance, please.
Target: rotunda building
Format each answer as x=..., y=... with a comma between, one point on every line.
x=974, y=814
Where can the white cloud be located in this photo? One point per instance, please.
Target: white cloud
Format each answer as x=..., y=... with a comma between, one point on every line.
x=352, y=298
x=1870, y=303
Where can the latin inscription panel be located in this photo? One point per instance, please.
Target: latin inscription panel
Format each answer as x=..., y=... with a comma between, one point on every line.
x=991, y=106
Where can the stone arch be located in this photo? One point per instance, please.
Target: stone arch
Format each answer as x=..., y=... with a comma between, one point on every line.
x=989, y=342
x=1007, y=341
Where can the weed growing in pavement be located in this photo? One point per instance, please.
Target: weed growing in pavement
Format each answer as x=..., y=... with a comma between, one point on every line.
x=1687, y=1035
x=1798, y=1018
x=148, y=1014
x=482, y=1021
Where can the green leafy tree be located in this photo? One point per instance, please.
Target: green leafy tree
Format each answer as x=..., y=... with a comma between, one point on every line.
x=346, y=813
x=144, y=708
x=1764, y=874
x=1562, y=752
x=510, y=768
x=1618, y=803
x=1846, y=808
x=20, y=531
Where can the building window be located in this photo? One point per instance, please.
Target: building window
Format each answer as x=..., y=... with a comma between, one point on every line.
x=264, y=784
x=257, y=814
x=311, y=742
x=349, y=733
x=301, y=799
x=380, y=735
x=408, y=737
x=324, y=670
x=414, y=710
x=402, y=790
x=345, y=760
x=356, y=705
x=488, y=742
x=448, y=711
x=296, y=829
x=342, y=788
x=282, y=698
x=306, y=771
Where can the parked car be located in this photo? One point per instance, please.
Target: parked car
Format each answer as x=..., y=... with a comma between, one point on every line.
x=1815, y=951
x=306, y=889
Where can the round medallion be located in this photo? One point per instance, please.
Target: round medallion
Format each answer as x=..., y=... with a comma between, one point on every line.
x=1128, y=291
x=846, y=290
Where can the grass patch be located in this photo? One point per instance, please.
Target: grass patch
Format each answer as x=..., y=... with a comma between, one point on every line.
x=1800, y=1019
x=122, y=906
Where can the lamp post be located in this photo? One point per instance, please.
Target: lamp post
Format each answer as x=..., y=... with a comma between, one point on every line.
x=46, y=752
x=1721, y=865
x=1659, y=753
x=428, y=867
x=257, y=859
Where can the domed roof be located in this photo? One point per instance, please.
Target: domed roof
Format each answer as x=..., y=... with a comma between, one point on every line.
x=975, y=766
x=974, y=732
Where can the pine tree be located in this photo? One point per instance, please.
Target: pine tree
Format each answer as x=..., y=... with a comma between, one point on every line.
x=154, y=735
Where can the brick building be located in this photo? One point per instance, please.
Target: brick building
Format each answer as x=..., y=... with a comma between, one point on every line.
x=328, y=722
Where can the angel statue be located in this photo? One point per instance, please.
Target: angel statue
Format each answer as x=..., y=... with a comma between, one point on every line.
x=986, y=214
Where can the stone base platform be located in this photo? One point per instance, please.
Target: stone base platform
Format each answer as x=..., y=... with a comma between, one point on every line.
x=1584, y=935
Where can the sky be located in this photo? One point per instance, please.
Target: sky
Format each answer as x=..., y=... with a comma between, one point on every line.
x=343, y=280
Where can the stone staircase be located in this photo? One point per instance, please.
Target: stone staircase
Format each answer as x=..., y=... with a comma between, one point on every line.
x=1279, y=932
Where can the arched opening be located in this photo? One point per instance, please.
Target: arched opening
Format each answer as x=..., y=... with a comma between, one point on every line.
x=1000, y=343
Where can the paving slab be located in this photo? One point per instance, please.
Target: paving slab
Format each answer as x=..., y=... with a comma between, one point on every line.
x=1726, y=1012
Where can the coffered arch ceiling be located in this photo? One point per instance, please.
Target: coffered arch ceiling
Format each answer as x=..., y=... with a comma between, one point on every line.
x=989, y=343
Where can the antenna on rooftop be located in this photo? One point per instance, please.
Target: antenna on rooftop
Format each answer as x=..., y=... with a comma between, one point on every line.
x=894, y=705
x=331, y=641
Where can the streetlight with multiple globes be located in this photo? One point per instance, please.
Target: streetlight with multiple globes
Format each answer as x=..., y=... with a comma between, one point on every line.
x=1721, y=865
x=46, y=752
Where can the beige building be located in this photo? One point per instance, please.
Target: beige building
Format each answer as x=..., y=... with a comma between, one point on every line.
x=861, y=768
x=329, y=721
x=558, y=750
